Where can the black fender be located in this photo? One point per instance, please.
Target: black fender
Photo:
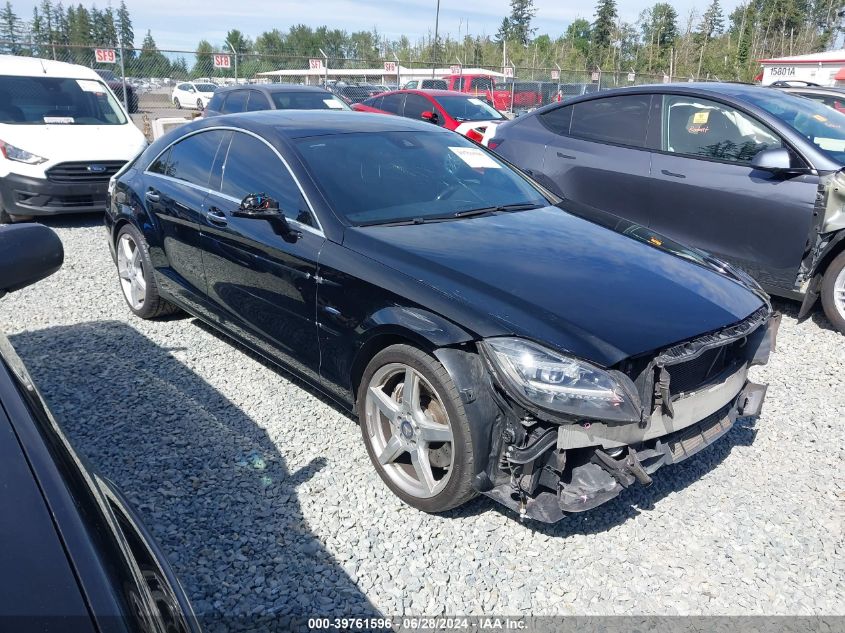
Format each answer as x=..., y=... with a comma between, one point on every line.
x=486, y=420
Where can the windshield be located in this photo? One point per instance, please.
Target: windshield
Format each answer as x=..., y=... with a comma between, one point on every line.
x=307, y=101
x=469, y=109
x=52, y=100
x=821, y=125
x=385, y=177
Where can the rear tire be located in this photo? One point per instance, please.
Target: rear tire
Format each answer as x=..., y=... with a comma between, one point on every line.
x=135, y=273
x=176, y=103
x=418, y=438
x=833, y=292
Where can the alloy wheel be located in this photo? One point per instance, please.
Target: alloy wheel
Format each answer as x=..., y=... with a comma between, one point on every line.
x=409, y=430
x=130, y=269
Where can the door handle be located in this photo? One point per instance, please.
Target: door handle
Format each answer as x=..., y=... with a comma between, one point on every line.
x=666, y=172
x=216, y=216
x=152, y=195
x=567, y=156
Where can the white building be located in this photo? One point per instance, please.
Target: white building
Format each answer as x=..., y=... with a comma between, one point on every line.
x=825, y=69
x=316, y=76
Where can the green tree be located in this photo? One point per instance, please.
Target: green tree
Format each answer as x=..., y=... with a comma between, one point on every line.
x=602, y=30
x=11, y=31
x=204, y=64
x=713, y=21
x=151, y=62
x=519, y=22
x=125, y=32
x=578, y=36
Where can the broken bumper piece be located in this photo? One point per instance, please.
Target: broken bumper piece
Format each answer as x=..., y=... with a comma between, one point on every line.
x=604, y=477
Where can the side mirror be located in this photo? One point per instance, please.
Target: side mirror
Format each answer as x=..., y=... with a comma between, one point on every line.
x=776, y=159
x=28, y=253
x=260, y=206
x=428, y=115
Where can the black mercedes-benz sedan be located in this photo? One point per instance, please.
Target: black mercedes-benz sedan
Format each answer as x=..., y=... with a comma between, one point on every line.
x=75, y=557
x=489, y=337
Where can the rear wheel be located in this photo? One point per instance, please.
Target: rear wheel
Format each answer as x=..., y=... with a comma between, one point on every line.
x=833, y=292
x=415, y=429
x=135, y=272
x=176, y=103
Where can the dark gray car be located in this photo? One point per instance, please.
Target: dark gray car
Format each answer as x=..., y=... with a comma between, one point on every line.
x=750, y=174
x=256, y=97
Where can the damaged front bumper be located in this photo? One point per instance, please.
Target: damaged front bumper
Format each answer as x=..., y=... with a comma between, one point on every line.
x=546, y=468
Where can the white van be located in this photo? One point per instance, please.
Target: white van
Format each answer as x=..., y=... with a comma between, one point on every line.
x=63, y=134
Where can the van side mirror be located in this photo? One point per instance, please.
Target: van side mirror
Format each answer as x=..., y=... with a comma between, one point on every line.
x=777, y=159
x=28, y=253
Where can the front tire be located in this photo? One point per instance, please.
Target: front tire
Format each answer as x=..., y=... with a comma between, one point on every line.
x=415, y=429
x=199, y=105
x=833, y=292
x=135, y=272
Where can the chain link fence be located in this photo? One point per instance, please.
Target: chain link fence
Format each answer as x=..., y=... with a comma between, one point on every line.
x=152, y=81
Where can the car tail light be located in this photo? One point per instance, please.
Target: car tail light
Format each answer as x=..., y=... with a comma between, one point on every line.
x=474, y=135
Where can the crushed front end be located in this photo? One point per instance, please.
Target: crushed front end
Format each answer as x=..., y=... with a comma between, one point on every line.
x=545, y=464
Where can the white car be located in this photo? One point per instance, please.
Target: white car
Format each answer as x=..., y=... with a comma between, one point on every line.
x=189, y=94
x=63, y=135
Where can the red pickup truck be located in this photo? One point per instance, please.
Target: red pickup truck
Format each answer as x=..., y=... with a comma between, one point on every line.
x=526, y=95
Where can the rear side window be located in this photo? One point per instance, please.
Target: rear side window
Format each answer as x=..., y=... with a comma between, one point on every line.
x=375, y=102
x=235, y=102
x=557, y=120
x=216, y=102
x=190, y=159
x=622, y=120
x=393, y=103
x=257, y=102
x=252, y=167
x=415, y=105
x=481, y=83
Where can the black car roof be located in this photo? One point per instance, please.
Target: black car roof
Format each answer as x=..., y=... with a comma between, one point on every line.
x=302, y=123
x=270, y=88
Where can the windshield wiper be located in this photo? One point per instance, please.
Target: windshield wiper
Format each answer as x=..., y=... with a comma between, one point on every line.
x=502, y=208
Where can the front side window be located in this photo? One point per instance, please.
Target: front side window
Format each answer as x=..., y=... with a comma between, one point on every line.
x=206, y=87
x=622, y=120
x=191, y=158
x=252, y=167
x=377, y=178
x=707, y=129
x=411, y=84
x=57, y=101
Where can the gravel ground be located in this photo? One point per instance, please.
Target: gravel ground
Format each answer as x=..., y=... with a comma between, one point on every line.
x=262, y=495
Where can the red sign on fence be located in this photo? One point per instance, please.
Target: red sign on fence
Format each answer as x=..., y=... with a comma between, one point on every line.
x=555, y=75
x=455, y=69
x=315, y=64
x=105, y=56
x=390, y=68
x=222, y=61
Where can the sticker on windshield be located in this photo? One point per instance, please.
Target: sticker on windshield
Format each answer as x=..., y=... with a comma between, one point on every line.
x=819, y=117
x=475, y=101
x=700, y=118
x=475, y=158
x=89, y=85
x=830, y=144
x=58, y=119
x=333, y=104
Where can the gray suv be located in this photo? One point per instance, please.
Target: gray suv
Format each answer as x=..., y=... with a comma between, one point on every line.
x=752, y=175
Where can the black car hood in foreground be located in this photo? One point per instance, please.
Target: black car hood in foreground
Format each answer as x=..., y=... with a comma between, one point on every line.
x=556, y=278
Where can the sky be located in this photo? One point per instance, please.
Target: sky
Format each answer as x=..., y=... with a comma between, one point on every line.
x=181, y=24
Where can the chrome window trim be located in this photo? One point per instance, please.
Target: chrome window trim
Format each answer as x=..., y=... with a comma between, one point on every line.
x=318, y=230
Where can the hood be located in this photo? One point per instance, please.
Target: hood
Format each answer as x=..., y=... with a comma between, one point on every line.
x=548, y=275
x=58, y=143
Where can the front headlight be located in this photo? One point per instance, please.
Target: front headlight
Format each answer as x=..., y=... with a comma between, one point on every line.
x=20, y=155
x=560, y=383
